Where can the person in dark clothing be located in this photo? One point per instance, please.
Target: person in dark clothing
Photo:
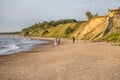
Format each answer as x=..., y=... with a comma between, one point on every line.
x=73, y=38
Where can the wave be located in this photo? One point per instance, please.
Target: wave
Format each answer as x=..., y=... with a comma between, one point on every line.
x=7, y=48
x=9, y=45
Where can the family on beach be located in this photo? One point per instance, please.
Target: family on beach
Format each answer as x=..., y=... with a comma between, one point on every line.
x=57, y=41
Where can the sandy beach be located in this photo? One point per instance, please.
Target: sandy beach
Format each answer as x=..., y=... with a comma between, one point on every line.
x=67, y=61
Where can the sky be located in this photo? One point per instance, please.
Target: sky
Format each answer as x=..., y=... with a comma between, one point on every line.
x=18, y=14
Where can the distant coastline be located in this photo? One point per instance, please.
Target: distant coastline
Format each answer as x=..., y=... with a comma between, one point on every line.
x=9, y=33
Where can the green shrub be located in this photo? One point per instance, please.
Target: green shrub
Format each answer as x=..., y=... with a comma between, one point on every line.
x=45, y=32
x=113, y=39
x=69, y=30
x=26, y=33
x=118, y=40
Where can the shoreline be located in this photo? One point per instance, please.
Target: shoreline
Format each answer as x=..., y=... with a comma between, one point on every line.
x=29, y=48
x=33, y=47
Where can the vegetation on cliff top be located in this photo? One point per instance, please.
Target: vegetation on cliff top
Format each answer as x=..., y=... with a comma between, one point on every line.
x=60, y=28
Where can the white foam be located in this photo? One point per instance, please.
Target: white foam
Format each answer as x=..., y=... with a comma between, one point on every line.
x=7, y=48
x=9, y=45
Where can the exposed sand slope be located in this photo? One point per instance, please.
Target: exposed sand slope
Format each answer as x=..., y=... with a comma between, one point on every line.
x=94, y=29
x=68, y=61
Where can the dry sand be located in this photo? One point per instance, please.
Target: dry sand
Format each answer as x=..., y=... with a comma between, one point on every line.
x=68, y=61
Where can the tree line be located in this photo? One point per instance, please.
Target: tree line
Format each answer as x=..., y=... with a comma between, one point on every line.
x=46, y=24
x=89, y=15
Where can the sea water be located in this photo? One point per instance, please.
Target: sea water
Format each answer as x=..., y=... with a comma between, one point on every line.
x=9, y=45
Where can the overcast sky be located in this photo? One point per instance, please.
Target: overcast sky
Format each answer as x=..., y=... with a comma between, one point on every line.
x=18, y=14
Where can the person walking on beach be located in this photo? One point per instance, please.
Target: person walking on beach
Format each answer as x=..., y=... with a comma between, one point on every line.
x=55, y=41
x=58, y=41
x=73, y=38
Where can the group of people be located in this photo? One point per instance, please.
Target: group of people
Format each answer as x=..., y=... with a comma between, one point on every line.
x=57, y=41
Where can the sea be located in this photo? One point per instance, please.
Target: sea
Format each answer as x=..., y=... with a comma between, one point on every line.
x=10, y=45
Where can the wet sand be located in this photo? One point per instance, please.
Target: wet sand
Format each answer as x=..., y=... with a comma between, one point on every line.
x=68, y=61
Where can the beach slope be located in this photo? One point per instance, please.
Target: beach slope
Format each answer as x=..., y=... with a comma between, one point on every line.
x=68, y=61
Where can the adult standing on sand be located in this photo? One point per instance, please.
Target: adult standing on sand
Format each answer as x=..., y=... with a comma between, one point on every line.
x=58, y=41
x=73, y=38
x=55, y=41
